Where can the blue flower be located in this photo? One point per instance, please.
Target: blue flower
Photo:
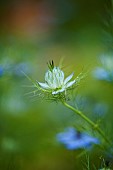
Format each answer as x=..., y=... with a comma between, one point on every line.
x=73, y=139
x=100, y=109
x=101, y=74
x=105, y=72
x=1, y=71
x=21, y=67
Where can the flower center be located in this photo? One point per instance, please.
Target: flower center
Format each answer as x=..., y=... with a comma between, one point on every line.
x=78, y=135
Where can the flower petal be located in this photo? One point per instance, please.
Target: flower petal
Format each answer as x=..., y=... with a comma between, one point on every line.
x=70, y=83
x=58, y=77
x=44, y=85
x=68, y=78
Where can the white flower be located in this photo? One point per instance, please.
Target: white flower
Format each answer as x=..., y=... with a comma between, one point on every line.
x=55, y=82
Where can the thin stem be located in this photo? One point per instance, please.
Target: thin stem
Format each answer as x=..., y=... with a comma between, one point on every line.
x=94, y=125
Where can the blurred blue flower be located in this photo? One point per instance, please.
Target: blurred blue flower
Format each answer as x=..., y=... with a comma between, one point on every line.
x=101, y=74
x=14, y=69
x=105, y=72
x=100, y=109
x=1, y=71
x=21, y=67
x=73, y=139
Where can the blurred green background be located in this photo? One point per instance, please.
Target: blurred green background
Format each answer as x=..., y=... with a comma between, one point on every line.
x=31, y=34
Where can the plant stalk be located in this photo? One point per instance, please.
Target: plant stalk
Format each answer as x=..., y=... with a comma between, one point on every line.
x=93, y=125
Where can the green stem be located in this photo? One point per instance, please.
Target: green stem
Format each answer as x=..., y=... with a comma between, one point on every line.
x=95, y=126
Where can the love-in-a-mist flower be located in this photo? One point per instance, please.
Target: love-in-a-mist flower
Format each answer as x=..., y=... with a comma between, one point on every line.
x=55, y=82
x=73, y=139
x=105, y=72
x=1, y=71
